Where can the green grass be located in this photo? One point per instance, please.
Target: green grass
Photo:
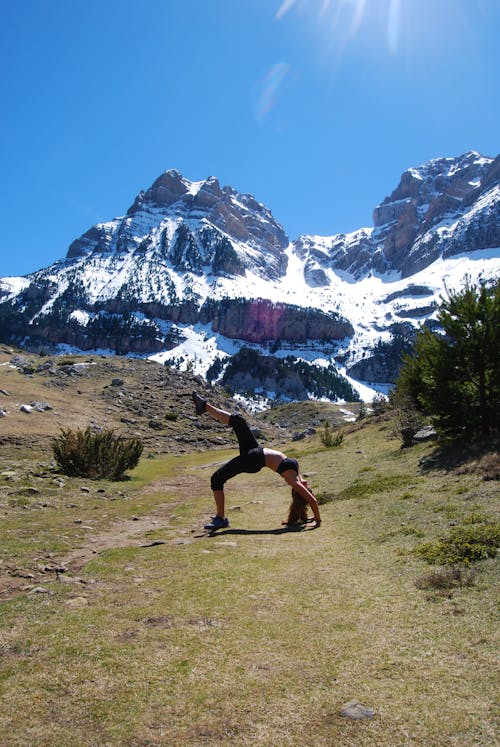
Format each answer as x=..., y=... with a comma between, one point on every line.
x=379, y=484
x=256, y=636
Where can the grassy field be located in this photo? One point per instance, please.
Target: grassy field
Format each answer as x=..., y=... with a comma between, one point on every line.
x=124, y=623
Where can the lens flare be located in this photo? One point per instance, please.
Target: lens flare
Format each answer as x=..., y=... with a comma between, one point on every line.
x=285, y=6
x=393, y=23
x=354, y=11
x=271, y=85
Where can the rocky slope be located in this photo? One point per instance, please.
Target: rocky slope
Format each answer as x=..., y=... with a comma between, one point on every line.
x=40, y=395
x=194, y=271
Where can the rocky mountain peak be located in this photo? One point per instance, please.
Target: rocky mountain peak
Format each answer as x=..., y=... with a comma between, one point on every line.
x=205, y=195
x=434, y=211
x=426, y=197
x=199, y=226
x=164, y=192
x=449, y=177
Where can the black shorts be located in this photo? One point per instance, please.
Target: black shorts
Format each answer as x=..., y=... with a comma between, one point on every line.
x=287, y=463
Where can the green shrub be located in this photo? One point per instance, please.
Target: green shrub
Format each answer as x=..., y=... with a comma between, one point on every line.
x=329, y=438
x=477, y=518
x=412, y=532
x=463, y=546
x=379, y=484
x=380, y=404
x=406, y=421
x=363, y=411
x=18, y=502
x=96, y=455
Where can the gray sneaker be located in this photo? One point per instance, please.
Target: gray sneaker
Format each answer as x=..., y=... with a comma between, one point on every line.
x=218, y=523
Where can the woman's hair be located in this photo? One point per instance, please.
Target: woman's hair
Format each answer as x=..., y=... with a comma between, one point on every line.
x=297, y=513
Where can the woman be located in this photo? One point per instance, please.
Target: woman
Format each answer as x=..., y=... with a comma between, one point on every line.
x=252, y=458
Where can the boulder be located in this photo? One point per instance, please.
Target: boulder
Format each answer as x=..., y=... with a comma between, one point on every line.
x=427, y=433
x=356, y=711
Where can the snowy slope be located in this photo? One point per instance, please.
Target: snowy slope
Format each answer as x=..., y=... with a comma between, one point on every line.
x=365, y=303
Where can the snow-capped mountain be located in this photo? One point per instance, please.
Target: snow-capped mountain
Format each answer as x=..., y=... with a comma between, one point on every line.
x=194, y=273
x=443, y=208
x=197, y=226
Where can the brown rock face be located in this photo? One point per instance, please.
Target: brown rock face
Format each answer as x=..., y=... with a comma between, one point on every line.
x=260, y=320
x=437, y=193
x=224, y=216
x=400, y=225
x=165, y=191
x=96, y=239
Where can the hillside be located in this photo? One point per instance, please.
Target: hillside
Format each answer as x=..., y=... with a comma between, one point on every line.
x=120, y=618
x=39, y=395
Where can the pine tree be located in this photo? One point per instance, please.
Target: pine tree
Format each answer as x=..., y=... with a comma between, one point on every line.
x=454, y=376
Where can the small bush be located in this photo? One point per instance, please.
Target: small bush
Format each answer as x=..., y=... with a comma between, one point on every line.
x=406, y=421
x=18, y=502
x=463, y=546
x=363, y=411
x=379, y=484
x=412, y=532
x=323, y=498
x=476, y=518
x=329, y=439
x=380, y=404
x=446, y=578
x=100, y=455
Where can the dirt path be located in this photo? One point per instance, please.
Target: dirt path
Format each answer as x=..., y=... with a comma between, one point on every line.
x=123, y=533
x=133, y=532
x=126, y=533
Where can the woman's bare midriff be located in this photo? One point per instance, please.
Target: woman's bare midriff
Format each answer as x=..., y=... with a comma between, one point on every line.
x=273, y=458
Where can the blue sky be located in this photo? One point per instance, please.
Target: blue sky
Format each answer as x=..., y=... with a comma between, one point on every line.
x=314, y=106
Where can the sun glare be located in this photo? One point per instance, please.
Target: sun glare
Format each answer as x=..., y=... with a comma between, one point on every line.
x=393, y=24
x=410, y=35
x=339, y=21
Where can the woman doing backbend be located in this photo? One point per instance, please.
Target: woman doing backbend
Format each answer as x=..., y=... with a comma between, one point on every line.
x=253, y=458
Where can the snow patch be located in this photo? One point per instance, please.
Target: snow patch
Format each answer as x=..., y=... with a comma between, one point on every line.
x=11, y=286
x=82, y=317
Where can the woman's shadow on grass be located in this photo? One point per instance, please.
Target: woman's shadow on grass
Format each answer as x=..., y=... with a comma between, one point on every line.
x=245, y=532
